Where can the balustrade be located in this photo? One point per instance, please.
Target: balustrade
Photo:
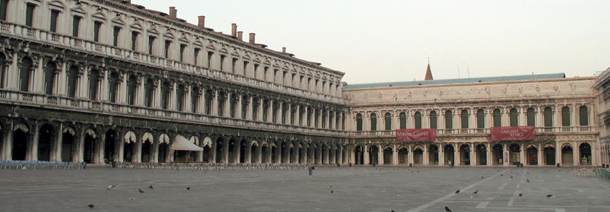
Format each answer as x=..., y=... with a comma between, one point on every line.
x=72, y=42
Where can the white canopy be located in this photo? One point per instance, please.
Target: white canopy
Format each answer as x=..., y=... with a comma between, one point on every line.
x=183, y=144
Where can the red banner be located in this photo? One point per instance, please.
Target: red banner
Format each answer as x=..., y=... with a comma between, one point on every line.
x=513, y=133
x=403, y=135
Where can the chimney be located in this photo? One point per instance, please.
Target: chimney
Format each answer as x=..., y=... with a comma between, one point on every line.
x=233, y=30
x=283, y=49
x=173, y=12
x=252, y=38
x=201, y=23
x=240, y=35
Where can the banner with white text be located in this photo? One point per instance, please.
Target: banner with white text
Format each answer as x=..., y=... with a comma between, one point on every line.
x=513, y=133
x=413, y=135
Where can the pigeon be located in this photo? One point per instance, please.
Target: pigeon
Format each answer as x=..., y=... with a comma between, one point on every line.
x=110, y=187
x=140, y=190
x=188, y=188
x=501, y=174
x=520, y=194
x=447, y=209
x=458, y=191
x=528, y=180
x=481, y=177
x=151, y=187
x=549, y=195
x=475, y=192
x=332, y=192
x=511, y=177
x=91, y=206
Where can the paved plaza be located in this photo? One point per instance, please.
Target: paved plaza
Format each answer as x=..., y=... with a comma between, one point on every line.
x=329, y=189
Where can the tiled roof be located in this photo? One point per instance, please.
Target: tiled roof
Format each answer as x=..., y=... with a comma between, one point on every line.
x=459, y=81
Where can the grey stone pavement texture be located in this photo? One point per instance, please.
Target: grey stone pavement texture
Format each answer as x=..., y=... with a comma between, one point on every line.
x=329, y=189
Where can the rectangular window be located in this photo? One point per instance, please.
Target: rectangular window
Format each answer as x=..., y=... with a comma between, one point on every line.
x=3, y=9
x=196, y=55
x=134, y=40
x=96, y=31
x=29, y=14
x=54, y=15
x=245, y=67
x=151, y=42
x=115, y=36
x=222, y=62
x=75, y=26
x=167, y=45
x=210, y=54
x=233, y=65
x=182, y=48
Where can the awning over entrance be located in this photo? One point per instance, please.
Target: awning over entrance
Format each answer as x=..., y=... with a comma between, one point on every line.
x=183, y=144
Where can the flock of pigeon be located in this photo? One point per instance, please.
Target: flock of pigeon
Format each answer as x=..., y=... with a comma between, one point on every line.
x=111, y=187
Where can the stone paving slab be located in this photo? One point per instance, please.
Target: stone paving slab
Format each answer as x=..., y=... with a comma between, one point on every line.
x=329, y=189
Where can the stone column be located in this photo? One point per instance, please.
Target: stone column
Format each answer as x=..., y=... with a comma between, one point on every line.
x=215, y=103
x=473, y=155
x=576, y=153
x=411, y=155
x=540, y=154
x=380, y=159
x=240, y=99
x=426, y=155
x=188, y=106
x=79, y=155
x=227, y=107
x=504, y=163
x=280, y=113
x=250, y=109
x=32, y=147
x=458, y=155
x=7, y=153
x=441, y=155
x=141, y=92
x=489, y=157
x=365, y=160
x=56, y=154
x=558, y=155
x=122, y=92
x=305, y=117
x=395, y=155
x=157, y=100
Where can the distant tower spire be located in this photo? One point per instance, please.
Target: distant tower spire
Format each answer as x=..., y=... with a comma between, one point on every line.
x=428, y=72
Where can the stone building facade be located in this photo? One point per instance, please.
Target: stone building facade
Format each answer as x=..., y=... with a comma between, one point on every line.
x=102, y=81
x=562, y=110
x=603, y=87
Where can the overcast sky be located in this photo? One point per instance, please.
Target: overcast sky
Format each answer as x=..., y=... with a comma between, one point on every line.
x=391, y=40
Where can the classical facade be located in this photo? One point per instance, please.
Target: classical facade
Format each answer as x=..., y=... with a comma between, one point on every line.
x=463, y=110
x=603, y=86
x=102, y=81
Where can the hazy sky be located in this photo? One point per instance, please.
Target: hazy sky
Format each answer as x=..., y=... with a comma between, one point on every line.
x=391, y=40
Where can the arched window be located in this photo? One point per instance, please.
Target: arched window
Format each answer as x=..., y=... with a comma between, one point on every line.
x=94, y=78
x=464, y=119
x=497, y=118
x=180, y=98
x=72, y=79
x=417, y=120
x=359, y=122
x=113, y=85
x=149, y=90
x=403, y=120
x=531, y=117
x=448, y=120
x=49, y=77
x=514, y=118
x=132, y=84
x=373, y=122
x=565, y=116
x=480, y=119
x=165, y=95
x=433, y=120
x=584, y=116
x=548, y=117
x=25, y=72
x=388, y=121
